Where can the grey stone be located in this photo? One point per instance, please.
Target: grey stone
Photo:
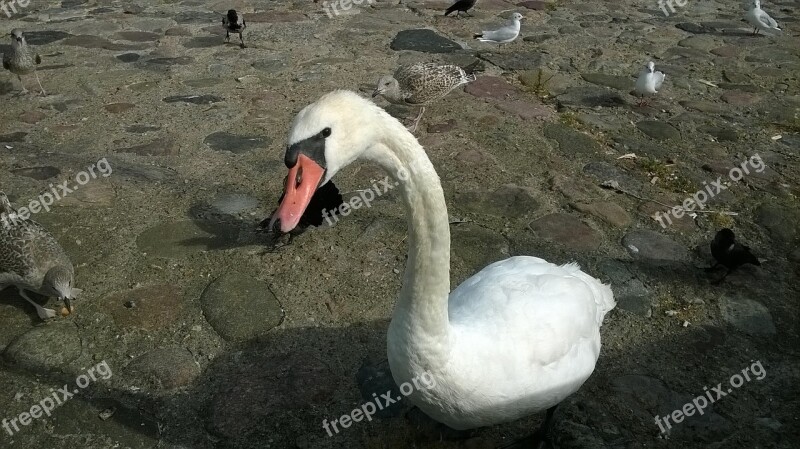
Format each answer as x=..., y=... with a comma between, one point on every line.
x=39, y=173
x=49, y=347
x=224, y=141
x=179, y=239
x=234, y=203
x=163, y=369
x=517, y=60
x=423, y=40
x=193, y=99
x=571, y=141
x=623, y=83
x=658, y=130
x=747, y=315
x=240, y=307
x=591, y=97
x=654, y=248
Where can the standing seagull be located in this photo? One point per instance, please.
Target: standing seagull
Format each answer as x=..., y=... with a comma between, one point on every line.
x=234, y=23
x=505, y=34
x=22, y=60
x=649, y=82
x=461, y=6
x=730, y=254
x=420, y=84
x=760, y=20
x=31, y=259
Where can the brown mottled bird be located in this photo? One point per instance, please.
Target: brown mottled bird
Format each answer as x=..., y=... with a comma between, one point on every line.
x=421, y=84
x=22, y=59
x=31, y=259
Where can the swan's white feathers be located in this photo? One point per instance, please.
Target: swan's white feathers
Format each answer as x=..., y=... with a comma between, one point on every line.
x=514, y=339
x=516, y=305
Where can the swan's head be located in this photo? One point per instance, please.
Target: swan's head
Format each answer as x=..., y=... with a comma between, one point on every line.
x=651, y=66
x=325, y=137
x=517, y=16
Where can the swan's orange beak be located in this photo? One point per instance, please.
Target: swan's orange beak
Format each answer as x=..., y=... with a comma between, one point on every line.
x=302, y=182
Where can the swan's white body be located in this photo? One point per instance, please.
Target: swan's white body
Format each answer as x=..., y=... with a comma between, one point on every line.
x=516, y=338
x=649, y=81
x=760, y=19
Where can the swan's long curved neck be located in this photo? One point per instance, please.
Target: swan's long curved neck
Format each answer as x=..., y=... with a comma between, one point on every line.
x=420, y=316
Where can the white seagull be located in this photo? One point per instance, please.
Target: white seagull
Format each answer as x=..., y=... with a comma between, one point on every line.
x=760, y=20
x=649, y=82
x=507, y=33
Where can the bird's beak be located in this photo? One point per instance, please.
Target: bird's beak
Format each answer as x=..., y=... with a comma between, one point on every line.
x=376, y=93
x=302, y=182
x=68, y=304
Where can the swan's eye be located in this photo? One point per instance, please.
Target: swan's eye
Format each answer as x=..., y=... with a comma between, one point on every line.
x=326, y=132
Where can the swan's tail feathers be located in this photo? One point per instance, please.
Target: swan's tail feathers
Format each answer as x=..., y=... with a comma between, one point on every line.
x=602, y=293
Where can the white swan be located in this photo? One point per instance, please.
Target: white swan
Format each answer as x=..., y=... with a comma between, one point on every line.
x=516, y=338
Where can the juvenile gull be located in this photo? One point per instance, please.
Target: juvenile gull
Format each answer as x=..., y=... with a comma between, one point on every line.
x=505, y=34
x=31, y=259
x=234, y=23
x=461, y=6
x=760, y=20
x=649, y=82
x=421, y=84
x=22, y=59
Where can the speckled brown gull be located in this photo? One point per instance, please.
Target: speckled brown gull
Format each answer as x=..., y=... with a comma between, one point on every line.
x=421, y=84
x=31, y=259
x=22, y=59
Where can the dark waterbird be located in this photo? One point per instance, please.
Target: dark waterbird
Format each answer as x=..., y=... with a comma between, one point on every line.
x=730, y=254
x=461, y=6
x=234, y=22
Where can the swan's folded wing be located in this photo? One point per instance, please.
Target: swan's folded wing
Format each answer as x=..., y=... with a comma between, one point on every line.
x=530, y=302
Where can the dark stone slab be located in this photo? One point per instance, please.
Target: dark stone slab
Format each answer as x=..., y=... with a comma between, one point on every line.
x=223, y=141
x=193, y=99
x=38, y=173
x=423, y=40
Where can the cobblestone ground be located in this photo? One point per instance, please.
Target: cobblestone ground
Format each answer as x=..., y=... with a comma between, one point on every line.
x=200, y=334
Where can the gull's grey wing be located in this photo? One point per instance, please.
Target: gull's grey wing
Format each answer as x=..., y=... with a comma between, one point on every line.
x=659, y=79
x=501, y=34
x=768, y=21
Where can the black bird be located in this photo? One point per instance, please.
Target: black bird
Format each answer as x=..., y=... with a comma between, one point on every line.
x=326, y=198
x=234, y=23
x=730, y=254
x=461, y=6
